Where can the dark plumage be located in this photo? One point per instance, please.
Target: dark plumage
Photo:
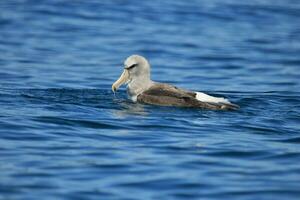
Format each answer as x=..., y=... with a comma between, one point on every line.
x=168, y=95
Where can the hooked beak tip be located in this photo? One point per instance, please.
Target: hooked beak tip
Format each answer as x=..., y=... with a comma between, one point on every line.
x=113, y=88
x=123, y=78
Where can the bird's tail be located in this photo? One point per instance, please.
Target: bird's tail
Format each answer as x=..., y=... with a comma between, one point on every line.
x=229, y=106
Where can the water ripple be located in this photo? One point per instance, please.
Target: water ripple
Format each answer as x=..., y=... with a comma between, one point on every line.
x=65, y=135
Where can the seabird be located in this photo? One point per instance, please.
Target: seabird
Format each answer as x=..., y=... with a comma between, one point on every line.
x=140, y=88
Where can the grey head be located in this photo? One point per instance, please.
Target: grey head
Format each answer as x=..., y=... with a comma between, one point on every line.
x=136, y=74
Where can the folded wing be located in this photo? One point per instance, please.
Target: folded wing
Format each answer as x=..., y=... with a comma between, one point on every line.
x=168, y=95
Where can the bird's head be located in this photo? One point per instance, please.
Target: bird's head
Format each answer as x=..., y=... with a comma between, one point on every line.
x=135, y=67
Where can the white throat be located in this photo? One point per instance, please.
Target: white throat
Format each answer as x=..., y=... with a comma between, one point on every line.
x=138, y=86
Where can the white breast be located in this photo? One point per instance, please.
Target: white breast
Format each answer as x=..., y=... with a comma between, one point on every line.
x=134, y=98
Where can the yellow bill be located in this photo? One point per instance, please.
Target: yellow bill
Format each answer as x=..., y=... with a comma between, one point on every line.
x=123, y=79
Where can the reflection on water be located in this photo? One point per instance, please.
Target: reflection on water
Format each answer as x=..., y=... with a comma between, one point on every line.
x=128, y=108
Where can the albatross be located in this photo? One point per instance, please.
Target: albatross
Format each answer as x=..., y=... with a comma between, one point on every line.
x=141, y=89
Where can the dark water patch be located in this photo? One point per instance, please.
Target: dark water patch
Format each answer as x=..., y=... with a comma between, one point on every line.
x=265, y=194
x=74, y=123
x=260, y=130
x=294, y=62
x=295, y=140
x=239, y=154
x=93, y=194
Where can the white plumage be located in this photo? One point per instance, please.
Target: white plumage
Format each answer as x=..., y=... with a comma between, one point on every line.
x=200, y=96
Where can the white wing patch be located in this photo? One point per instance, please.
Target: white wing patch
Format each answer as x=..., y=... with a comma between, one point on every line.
x=200, y=96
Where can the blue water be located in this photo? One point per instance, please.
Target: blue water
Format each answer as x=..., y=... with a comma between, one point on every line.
x=64, y=135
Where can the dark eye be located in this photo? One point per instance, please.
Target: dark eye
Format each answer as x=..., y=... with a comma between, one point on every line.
x=132, y=66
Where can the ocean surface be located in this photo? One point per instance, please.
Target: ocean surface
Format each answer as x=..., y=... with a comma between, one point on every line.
x=65, y=135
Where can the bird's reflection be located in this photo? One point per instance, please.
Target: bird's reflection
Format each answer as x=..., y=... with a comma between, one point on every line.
x=128, y=108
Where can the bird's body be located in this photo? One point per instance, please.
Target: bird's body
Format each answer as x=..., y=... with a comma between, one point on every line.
x=143, y=90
